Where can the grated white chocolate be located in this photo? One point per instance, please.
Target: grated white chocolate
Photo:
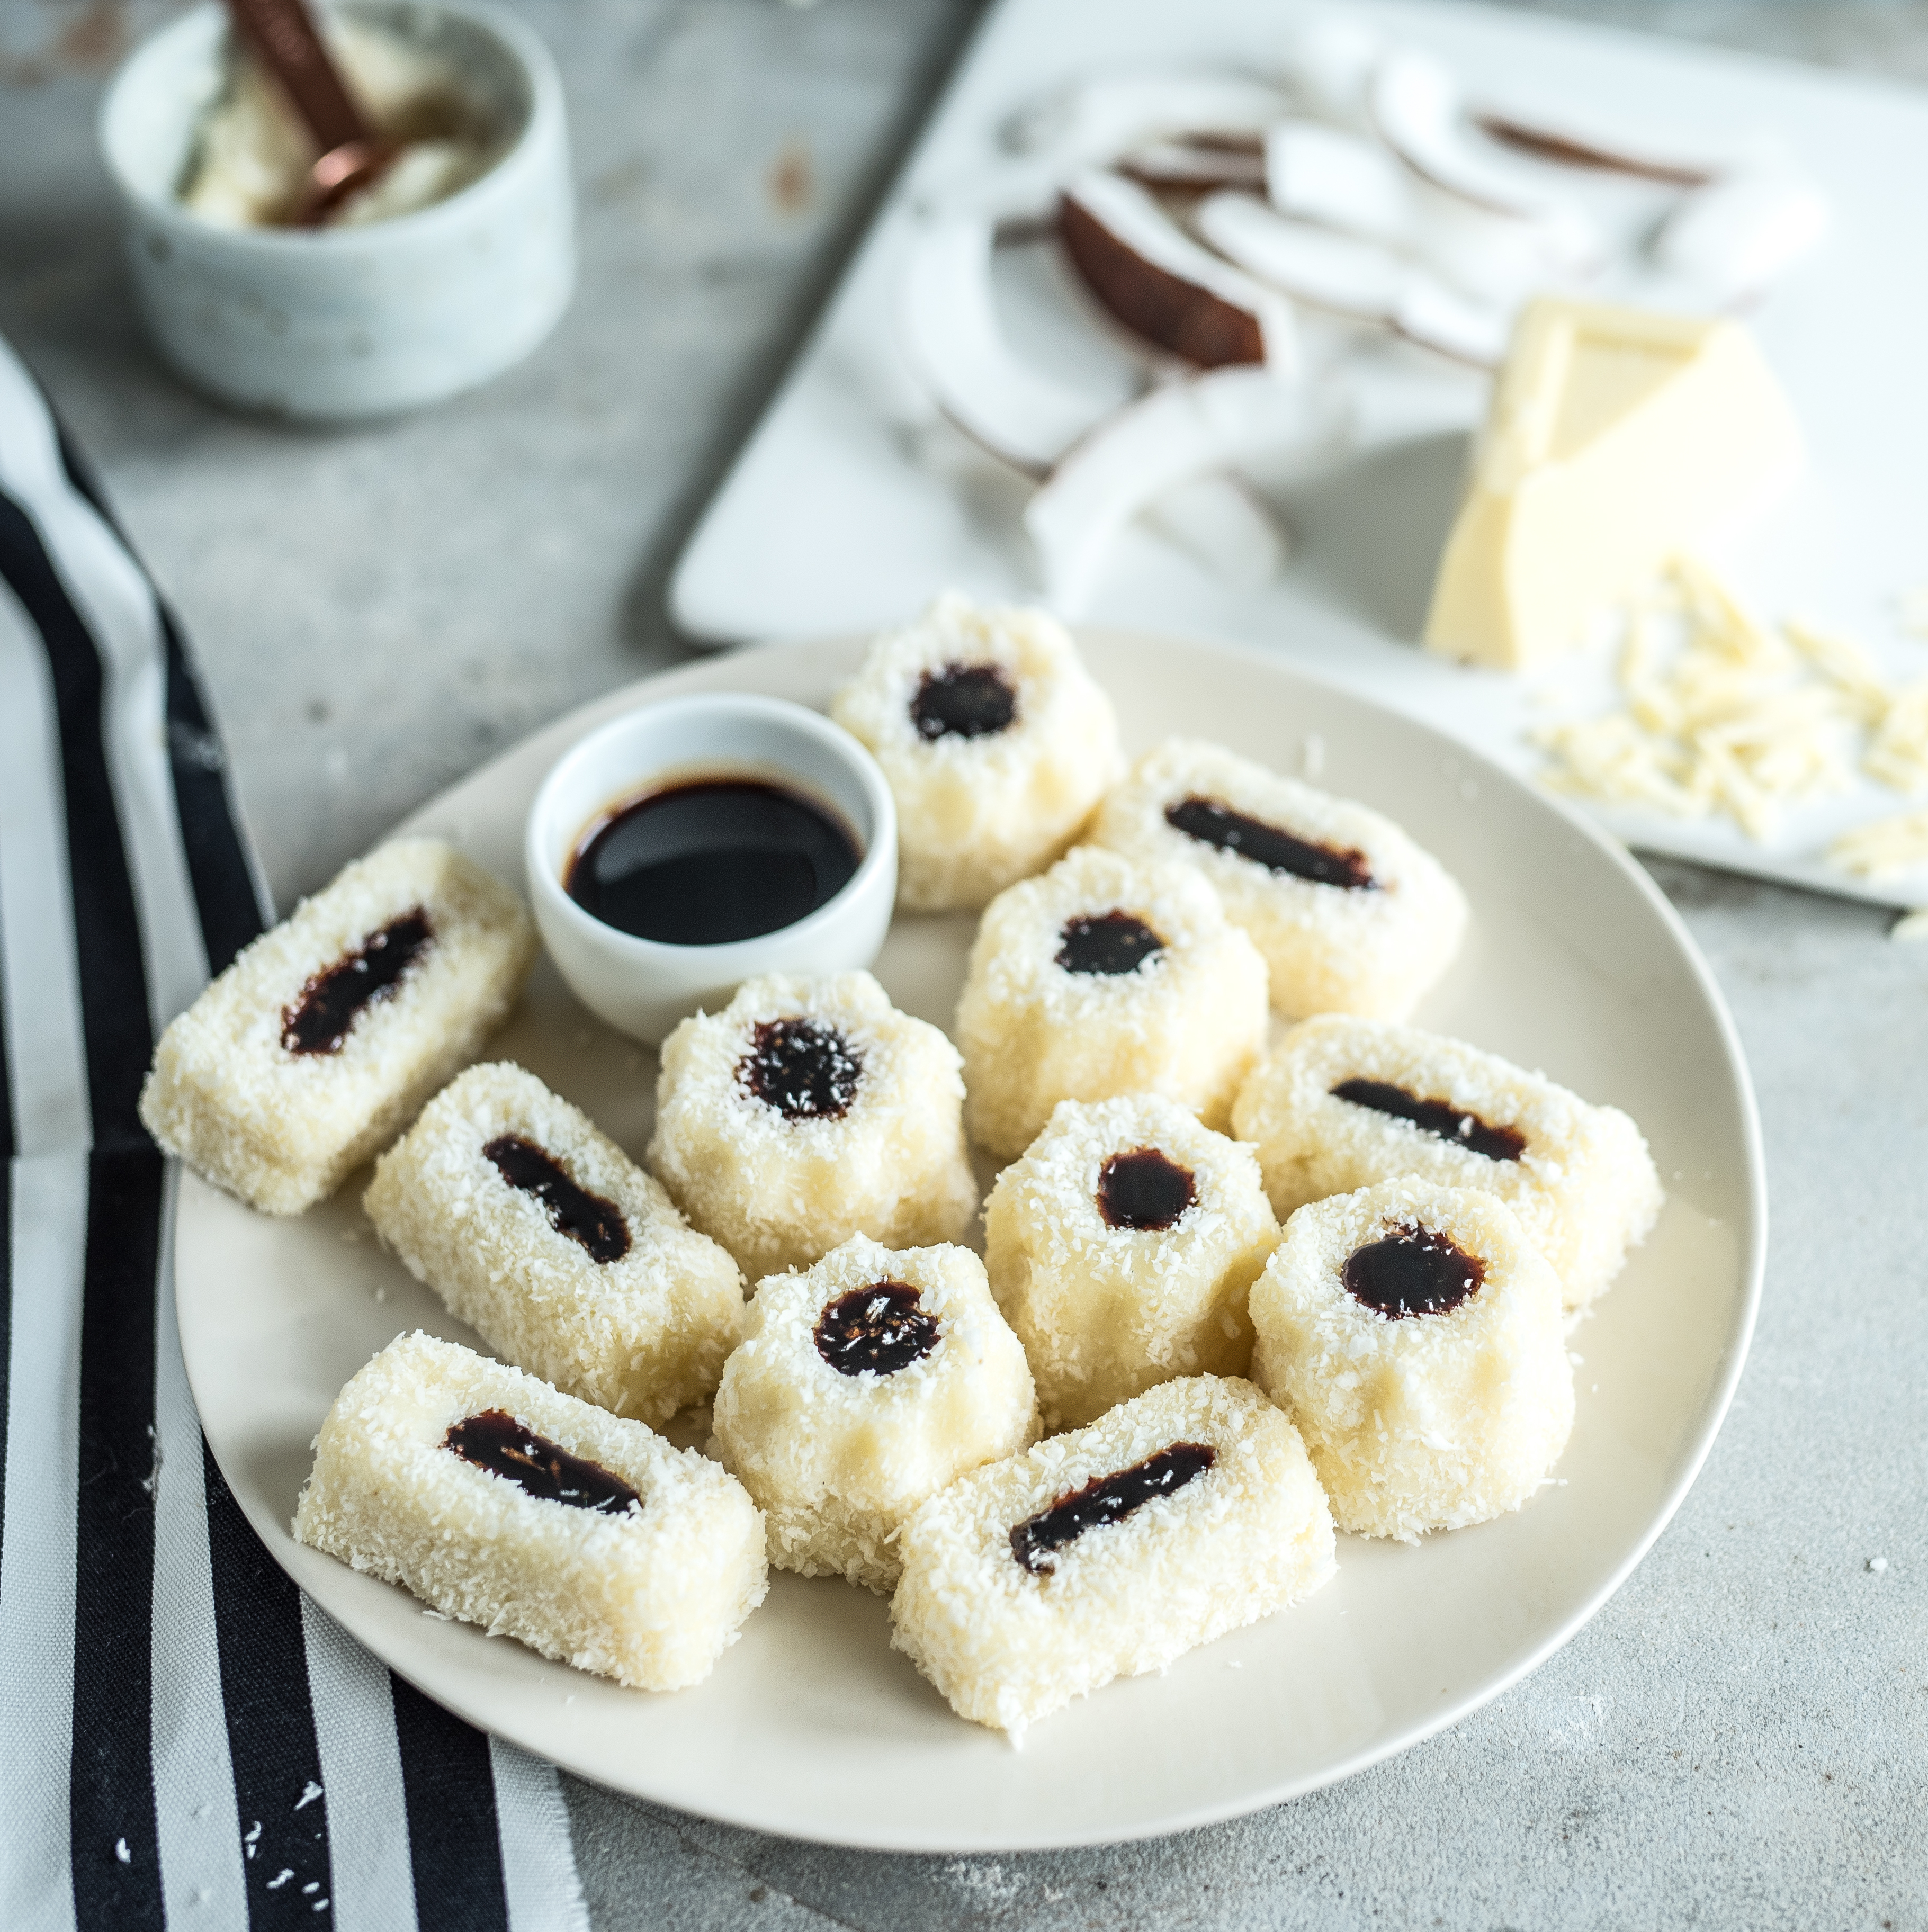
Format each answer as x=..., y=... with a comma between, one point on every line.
x=1426, y=1421
x=282, y=1129
x=778, y=1192
x=1584, y=1186
x=1105, y=1313
x=1188, y=1023
x=1007, y=1646
x=838, y=1463
x=974, y=814
x=1328, y=947
x=651, y=1597
x=640, y=1336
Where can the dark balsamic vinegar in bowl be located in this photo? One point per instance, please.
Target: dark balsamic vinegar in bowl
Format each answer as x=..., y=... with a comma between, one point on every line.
x=711, y=860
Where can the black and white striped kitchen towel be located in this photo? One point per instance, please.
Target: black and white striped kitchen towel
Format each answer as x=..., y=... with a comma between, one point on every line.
x=185, y=1740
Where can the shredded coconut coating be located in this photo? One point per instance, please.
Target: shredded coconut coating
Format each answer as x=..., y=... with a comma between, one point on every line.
x=651, y=1598
x=1105, y=1313
x=1328, y=948
x=1584, y=1187
x=1188, y=1024
x=779, y=1193
x=975, y=814
x=283, y=1130
x=837, y=1462
x=640, y=1335
x=1251, y=1535
x=1426, y=1422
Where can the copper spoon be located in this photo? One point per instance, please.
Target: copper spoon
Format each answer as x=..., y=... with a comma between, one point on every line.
x=282, y=35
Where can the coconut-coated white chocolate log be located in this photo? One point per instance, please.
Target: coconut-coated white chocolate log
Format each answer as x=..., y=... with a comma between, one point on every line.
x=254, y=1088
x=1011, y=1630
x=864, y=1386
x=634, y=1310
x=650, y=1595
x=1351, y=915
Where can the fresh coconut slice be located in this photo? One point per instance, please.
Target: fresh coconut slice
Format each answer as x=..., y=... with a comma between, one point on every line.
x=1341, y=180
x=1418, y=111
x=1197, y=166
x=1438, y=318
x=948, y=323
x=1556, y=132
x=1222, y=522
x=1215, y=421
x=1095, y=120
x=1328, y=66
x=1161, y=284
x=1351, y=277
x=1736, y=237
x=1339, y=272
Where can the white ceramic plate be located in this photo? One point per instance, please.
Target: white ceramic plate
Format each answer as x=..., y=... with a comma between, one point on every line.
x=811, y=1725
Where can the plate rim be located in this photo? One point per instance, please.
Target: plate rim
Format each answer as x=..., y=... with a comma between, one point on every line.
x=1752, y=1246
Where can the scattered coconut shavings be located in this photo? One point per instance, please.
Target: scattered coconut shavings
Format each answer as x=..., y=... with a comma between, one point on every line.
x=1885, y=848
x=1722, y=714
x=1911, y=927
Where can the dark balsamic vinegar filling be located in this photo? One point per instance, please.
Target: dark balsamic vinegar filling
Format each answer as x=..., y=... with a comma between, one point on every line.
x=1413, y=1271
x=1143, y=1189
x=806, y=1071
x=320, y=1018
x=588, y=1219
x=708, y=862
x=876, y=1330
x=496, y=1441
x=1107, y=1499
x=1212, y=822
x=1435, y=1117
x=1107, y=943
x=963, y=701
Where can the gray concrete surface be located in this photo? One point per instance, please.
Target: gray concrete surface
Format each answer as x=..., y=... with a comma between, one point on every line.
x=1741, y=1738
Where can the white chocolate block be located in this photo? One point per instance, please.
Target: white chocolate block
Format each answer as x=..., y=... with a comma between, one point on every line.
x=864, y=1386
x=1583, y=1183
x=1351, y=915
x=877, y=1149
x=980, y=807
x=636, y=1312
x=651, y=1595
x=1008, y=1643
x=1616, y=436
x=282, y=1128
x=1421, y=1420
x=1186, y=1020
x=1108, y=1296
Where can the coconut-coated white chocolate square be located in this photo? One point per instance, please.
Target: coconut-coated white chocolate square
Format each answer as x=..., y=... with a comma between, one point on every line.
x=864, y=1385
x=1424, y=1420
x=282, y=1128
x=1051, y=1009
x=981, y=804
x=809, y=1110
x=1008, y=1641
x=1578, y=1176
x=651, y=1596
x=640, y=1332
x=1121, y=1246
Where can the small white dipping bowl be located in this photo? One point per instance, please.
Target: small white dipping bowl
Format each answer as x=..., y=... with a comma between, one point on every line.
x=331, y=324
x=641, y=986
